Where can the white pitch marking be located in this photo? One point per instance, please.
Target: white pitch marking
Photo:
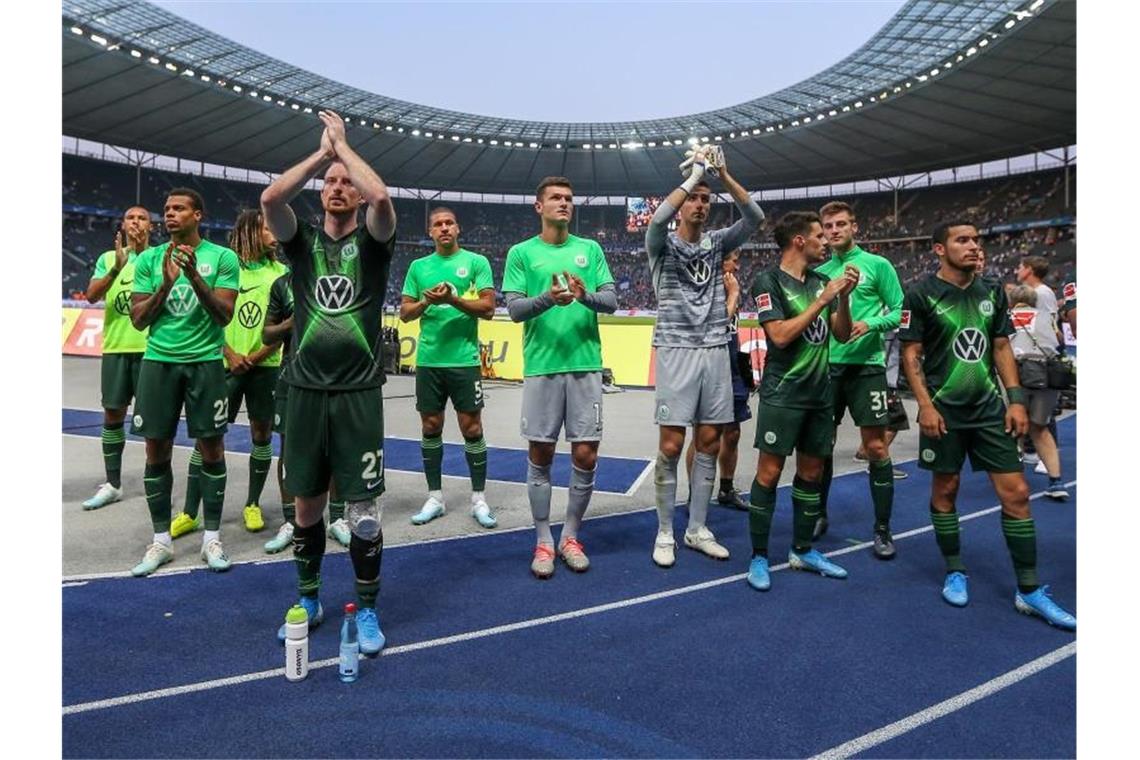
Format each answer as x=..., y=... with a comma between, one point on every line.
x=484, y=632
x=865, y=742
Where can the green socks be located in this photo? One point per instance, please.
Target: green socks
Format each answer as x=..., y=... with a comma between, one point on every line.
x=213, y=485
x=882, y=478
x=308, y=551
x=158, y=481
x=948, y=536
x=289, y=512
x=432, y=449
x=805, y=511
x=114, y=440
x=761, y=505
x=260, y=462
x=193, y=483
x=1021, y=538
x=475, y=449
x=336, y=510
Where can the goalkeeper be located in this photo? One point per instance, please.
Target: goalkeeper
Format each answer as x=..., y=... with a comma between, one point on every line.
x=694, y=380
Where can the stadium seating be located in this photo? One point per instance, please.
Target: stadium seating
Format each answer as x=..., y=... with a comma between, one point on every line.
x=95, y=192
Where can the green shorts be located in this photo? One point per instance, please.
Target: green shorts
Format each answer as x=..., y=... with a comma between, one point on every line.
x=863, y=390
x=779, y=429
x=337, y=435
x=164, y=388
x=280, y=403
x=435, y=385
x=256, y=387
x=119, y=379
x=990, y=450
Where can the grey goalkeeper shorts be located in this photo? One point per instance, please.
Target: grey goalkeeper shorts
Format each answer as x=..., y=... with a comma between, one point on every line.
x=570, y=400
x=694, y=385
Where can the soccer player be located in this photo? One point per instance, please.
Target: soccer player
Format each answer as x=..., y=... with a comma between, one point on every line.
x=277, y=329
x=896, y=412
x=798, y=308
x=335, y=419
x=251, y=369
x=691, y=338
x=557, y=283
x=185, y=293
x=741, y=384
x=449, y=292
x=123, y=345
x=954, y=331
x=858, y=367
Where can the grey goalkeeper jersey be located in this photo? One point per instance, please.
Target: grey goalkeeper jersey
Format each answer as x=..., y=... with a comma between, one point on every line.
x=688, y=280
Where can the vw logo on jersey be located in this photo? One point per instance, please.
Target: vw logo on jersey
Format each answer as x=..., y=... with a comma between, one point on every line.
x=699, y=270
x=334, y=292
x=816, y=332
x=986, y=308
x=580, y=260
x=461, y=272
x=123, y=302
x=181, y=300
x=970, y=345
x=249, y=315
x=205, y=269
x=349, y=252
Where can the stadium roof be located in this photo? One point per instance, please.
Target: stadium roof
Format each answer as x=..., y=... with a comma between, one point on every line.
x=943, y=83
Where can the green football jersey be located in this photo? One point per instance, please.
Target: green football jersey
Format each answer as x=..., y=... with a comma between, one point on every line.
x=119, y=335
x=957, y=328
x=280, y=308
x=795, y=376
x=243, y=333
x=562, y=338
x=338, y=302
x=448, y=337
x=876, y=300
x=183, y=332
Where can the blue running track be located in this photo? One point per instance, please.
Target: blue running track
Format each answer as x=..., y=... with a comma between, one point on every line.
x=626, y=660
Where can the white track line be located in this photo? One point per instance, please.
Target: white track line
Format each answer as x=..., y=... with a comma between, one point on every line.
x=493, y=631
x=946, y=707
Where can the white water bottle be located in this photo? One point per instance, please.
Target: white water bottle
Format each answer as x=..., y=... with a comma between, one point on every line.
x=296, y=643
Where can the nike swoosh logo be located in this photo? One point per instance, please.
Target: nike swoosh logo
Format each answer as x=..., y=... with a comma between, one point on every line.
x=371, y=484
x=884, y=484
x=943, y=310
x=127, y=282
x=243, y=291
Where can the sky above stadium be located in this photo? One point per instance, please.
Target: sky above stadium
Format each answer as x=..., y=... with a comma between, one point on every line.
x=554, y=61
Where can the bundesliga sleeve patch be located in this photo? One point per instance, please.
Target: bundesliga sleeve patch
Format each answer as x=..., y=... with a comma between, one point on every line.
x=1070, y=290
x=764, y=302
x=904, y=321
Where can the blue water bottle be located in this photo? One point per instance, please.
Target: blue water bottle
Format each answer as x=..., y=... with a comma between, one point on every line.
x=349, y=646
